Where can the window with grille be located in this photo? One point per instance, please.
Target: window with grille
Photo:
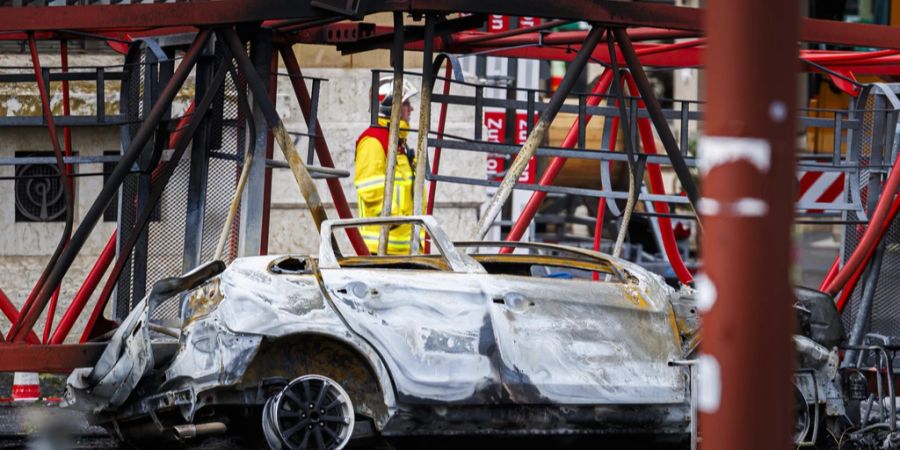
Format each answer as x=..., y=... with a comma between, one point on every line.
x=39, y=193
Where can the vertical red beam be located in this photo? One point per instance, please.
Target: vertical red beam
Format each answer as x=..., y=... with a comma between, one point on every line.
x=67, y=150
x=747, y=163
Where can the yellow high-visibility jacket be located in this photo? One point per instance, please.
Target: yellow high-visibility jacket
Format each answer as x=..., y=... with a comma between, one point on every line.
x=369, y=178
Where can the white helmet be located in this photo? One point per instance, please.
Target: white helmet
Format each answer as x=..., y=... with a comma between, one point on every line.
x=386, y=90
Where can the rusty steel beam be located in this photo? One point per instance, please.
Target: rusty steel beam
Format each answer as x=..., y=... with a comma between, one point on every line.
x=49, y=358
x=155, y=15
x=298, y=169
x=322, y=150
x=107, y=18
x=747, y=163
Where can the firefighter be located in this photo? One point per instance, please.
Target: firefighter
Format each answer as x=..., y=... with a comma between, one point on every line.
x=371, y=167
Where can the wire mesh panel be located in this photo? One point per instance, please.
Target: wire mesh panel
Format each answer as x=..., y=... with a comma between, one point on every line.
x=166, y=232
x=874, y=142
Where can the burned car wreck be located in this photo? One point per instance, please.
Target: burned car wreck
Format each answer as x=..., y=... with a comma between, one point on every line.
x=319, y=352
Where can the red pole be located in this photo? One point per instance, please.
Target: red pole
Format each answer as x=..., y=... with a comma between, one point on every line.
x=67, y=146
x=84, y=293
x=436, y=164
x=747, y=163
x=440, y=135
x=65, y=169
x=334, y=185
x=656, y=186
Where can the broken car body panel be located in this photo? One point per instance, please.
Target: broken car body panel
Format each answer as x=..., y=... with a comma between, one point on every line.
x=454, y=343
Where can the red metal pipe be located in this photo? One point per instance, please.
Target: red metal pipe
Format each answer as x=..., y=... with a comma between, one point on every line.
x=872, y=236
x=18, y=331
x=85, y=291
x=51, y=311
x=656, y=186
x=436, y=163
x=67, y=149
x=322, y=151
x=556, y=165
x=851, y=283
x=12, y=314
x=832, y=271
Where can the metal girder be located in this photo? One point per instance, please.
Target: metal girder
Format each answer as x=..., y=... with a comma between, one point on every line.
x=384, y=36
x=122, y=17
x=48, y=358
x=107, y=18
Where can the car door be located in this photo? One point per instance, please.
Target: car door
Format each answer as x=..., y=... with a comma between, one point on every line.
x=574, y=341
x=427, y=325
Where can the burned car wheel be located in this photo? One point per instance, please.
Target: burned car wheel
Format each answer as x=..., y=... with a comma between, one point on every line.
x=310, y=412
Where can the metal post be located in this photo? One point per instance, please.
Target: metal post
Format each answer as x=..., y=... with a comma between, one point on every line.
x=301, y=175
x=270, y=153
x=252, y=206
x=866, y=302
x=394, y=130
x=198, y=172
x=746, y=160
x=424, y=129
x=322, y=150
x=30, y=315
x=538, y=133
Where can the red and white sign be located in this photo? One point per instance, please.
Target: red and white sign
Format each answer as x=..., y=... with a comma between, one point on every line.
x=495, y=126
x=528, y=21
x=820, y=187
x=497, y=22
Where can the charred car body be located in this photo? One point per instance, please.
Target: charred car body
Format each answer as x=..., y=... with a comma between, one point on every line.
x=316, y=351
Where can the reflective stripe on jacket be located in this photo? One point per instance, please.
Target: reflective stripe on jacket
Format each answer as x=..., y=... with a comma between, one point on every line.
x=370, y=168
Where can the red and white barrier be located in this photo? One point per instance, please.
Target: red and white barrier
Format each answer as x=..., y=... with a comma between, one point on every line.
x=26, y=387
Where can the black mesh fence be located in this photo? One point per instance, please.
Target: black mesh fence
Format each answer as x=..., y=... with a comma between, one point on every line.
x=885, y=318
x=166, y=236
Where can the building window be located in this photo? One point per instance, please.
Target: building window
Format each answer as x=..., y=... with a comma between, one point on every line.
x=39, y=192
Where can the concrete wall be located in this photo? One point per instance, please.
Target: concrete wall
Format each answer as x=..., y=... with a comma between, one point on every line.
x=343, y=113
